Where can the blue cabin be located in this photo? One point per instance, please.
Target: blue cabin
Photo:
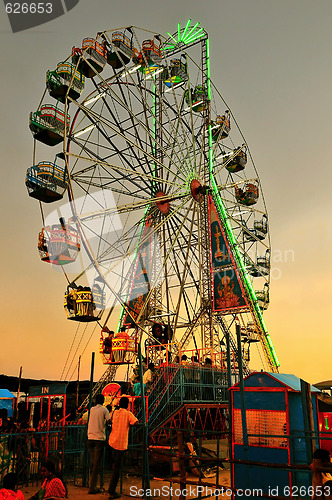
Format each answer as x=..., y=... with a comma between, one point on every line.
x=47, y=181
x=276, y=416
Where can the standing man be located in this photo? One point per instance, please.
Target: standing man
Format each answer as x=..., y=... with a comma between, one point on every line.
x=118, y=441
x=99, y=417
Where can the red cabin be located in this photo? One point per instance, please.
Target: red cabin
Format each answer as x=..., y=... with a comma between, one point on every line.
x=118, y=348
x=124, y=49
x=91, y=58
x=59, y=244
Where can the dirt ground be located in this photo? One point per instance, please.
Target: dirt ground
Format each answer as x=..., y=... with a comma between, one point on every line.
x=131, y=488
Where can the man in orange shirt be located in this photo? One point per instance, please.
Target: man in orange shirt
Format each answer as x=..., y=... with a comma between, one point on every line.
x=121, y=421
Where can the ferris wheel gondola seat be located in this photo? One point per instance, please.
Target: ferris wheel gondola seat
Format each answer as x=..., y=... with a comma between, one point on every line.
x=119, y=351
x=46, y=182
x=91, y=58
x=48, y=124
x=79, y=305
x=263, y=298
x=151, y=49
x=221, y=127
x=59, y=244
x=259, y=231
x=237, y=163
x=124, y=49
x=65, y=79
x=176, y=74
x=248, y=196
x=196, y=99
x=262, y=267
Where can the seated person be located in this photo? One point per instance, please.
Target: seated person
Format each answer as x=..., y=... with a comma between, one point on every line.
x=119, y=354
x=321, y=458
x=107, y=343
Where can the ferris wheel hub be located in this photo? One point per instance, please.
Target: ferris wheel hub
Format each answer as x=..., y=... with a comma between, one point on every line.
x=197, y=190
x=162, y=205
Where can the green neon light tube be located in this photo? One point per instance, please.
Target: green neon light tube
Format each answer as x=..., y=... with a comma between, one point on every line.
x=194, y=36
x=229, y=230
x=186, y=29
x=192, y=29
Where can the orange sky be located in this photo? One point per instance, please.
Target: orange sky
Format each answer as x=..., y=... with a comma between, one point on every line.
x=276, y=77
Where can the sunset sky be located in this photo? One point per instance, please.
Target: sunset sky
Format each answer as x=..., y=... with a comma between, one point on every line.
x=271, y=61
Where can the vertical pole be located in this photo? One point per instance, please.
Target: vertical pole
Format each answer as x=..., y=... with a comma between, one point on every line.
x=181, y=464
x=78, y=381
x=243, y=405
x=230, y=413
x=242, y=398
x=91, y=380
x=86, y=458
x=145, y=453
x=18, y=395
x=308, y=419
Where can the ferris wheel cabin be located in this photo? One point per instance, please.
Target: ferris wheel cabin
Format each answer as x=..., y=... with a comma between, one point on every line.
x=99, y=296
x=152, y=51
x=248, y=195
x=237, y=162
x=259, y=231
x=59, y=244
x=196, y=98
x=124, y=49
x=176, y=74
x=263, y=297
x=48, y=124
x=65, y=79
x=91, y=58
x=221, y=127
x=79, y=304
x=262, y=267
x=46, y=181
x=118, y=349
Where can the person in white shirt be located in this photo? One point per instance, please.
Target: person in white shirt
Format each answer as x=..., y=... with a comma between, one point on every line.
x=99, y=417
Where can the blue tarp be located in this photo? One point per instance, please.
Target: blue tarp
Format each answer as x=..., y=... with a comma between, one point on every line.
x=6, y=401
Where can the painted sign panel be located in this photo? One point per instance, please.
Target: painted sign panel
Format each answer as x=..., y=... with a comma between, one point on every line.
x=228, y=293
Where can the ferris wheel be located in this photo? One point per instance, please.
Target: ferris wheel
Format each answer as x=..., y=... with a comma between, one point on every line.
x=158, y=215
